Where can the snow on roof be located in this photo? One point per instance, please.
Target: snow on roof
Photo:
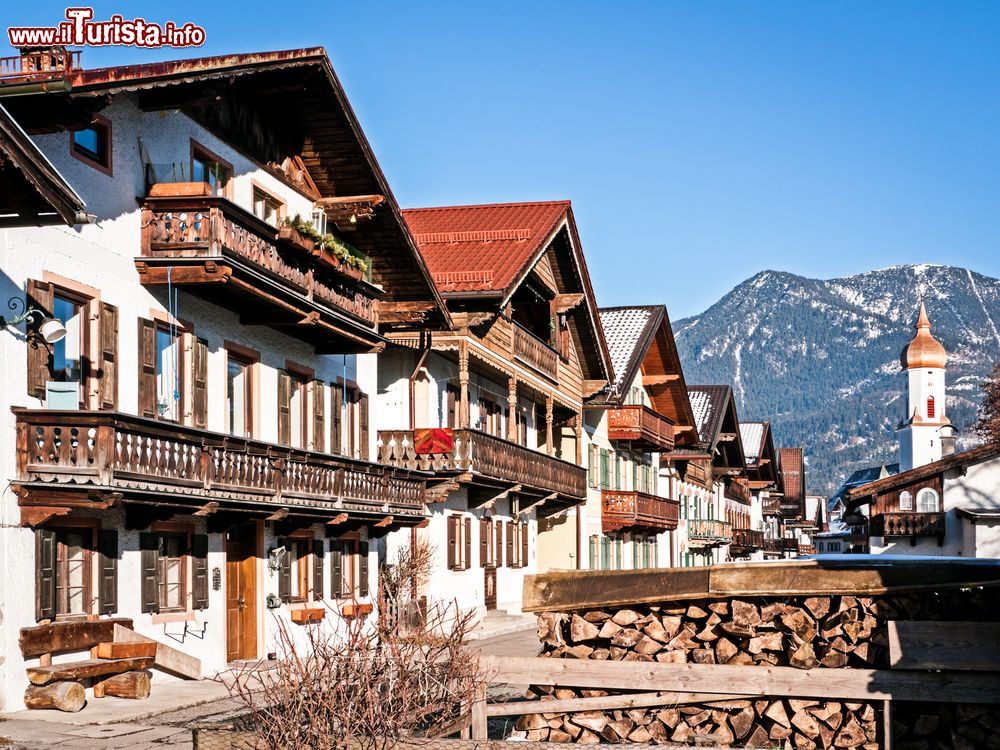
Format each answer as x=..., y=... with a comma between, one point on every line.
x=752, y=435
x=623, y=328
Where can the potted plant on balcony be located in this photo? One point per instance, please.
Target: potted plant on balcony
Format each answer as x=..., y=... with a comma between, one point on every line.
x=332, y=251
x=290, y=235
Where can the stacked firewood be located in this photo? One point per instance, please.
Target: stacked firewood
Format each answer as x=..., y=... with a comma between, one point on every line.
x=806, y=632
x=930, y=726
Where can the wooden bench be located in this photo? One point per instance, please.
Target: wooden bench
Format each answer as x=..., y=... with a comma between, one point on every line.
x=116, y=666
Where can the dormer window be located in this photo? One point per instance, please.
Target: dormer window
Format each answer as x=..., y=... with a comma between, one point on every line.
x=92, y=145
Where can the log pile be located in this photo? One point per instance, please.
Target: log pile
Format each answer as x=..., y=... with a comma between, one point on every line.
x=805, y=632
x=929, y=726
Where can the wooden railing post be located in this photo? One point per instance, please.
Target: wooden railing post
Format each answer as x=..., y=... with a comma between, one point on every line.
x=464, y=416
x=512, y=409
x=549, y=407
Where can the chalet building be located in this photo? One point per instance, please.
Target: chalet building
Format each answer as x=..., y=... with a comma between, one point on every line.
x=940, y=502
x=188, y=438
x=794, y=523
x=840, y=537
x=494, y=408
x=632, y=512
x=762, y=478
x=714, y=492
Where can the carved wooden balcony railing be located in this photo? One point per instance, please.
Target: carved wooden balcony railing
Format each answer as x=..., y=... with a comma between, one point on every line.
x=708, y=532
x=530, y=350
x=39, y=65
x=806, y=549
x=645, y=428
x=621, y=509
x=908, y=524
x=738, y=489
x=211, y=246
x=780, y=546
x=791, y=510
x=165, y=462
x=748, y=539
x=490, y=458
x=771, y=506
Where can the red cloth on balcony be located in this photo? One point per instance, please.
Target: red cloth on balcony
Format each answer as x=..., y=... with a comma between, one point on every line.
x=433, y=440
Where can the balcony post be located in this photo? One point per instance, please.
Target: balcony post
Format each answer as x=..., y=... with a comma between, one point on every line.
x=512, y=435
x=550, y=447
x=464, y=418
x=578, y=437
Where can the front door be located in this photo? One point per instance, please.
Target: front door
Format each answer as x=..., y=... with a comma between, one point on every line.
x=490, y=586
x=241, y=592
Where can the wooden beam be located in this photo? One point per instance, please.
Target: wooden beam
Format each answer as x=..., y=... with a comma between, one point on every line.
x=838, y=684
x=672, y=377
x=59, y=637
x=36, y=515
x=279, y=515
x=566, y=302
x=207, y=509
x=79, y=670
x=944, y=645
x=384, y=522
x=167, y=658
x=605, y=703
x=338, y=519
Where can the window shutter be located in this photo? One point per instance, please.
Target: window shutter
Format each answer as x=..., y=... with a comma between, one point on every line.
x=498, y=545
x=149, y=546
x=107, y=386
x=363, y=421
x=336, y=414
x=484, y=542
x=510, y=543
x=452, y=396
x=317, y=569
x=284, y=407
x=199, y=384
x=107, y=545
x=363, y=569
x=524, y=544
x=336, y=569
x=39, y=294
x=285, y=573
x=452, y=542
x=45, y=574
x=199, y=555
x=467, y=561
x=319, y=415
x=147, y=368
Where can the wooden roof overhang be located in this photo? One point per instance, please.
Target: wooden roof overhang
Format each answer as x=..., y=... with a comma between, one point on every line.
x=272, y=106
x=728, y=458
x=32, y=192
x=763, y=474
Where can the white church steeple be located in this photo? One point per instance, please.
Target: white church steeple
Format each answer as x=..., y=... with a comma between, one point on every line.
x=921, y=432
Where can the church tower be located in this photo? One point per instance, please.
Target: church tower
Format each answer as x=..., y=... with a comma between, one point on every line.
x=926, y=425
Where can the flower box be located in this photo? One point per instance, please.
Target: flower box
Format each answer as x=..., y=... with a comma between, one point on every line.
x=308, y=614
x=291, y=236
x=355, y=610
x=186, y=189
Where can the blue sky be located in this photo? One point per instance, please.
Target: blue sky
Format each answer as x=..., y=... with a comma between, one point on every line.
x=700, y=142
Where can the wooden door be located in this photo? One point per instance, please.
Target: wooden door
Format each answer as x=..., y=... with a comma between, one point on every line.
x=241, y=592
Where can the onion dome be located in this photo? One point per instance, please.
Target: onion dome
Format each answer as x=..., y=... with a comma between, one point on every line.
x=924, y=350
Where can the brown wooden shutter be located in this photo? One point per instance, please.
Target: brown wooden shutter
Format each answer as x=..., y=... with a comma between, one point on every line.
x=317, y=569
x=285, y=572
x=336, y=414
x=484, y=542
x=363, y=569
x=452, y=542
x=45, y=574
x=510, y=543
x=107, y=354
x=363, y=421
x=467, y=562
x=199, y=384
x=336, y=568
x=452, y=394
x=284, y=408
x=39, y=294
x=149, y=547
x=524, y=544
x=147, y=368
x=199, y=556
x=498, y=544
x=107, y=547
x=319, y=415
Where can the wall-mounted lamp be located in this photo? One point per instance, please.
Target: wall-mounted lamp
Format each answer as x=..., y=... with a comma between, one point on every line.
x=50, y=329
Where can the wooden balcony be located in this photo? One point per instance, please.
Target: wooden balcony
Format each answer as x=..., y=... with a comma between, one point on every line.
x=791, y=510
x=646, y=429
x=910, y=524
x=806, y=549
x=100, y=453
x=771, y=506
x=485, y=460
x=747, y=540
x=531, y=351
x=738, y=489
x=213, y=248
x=627, y=510
x=39, y=65
x=708, y=532
x=780, y=546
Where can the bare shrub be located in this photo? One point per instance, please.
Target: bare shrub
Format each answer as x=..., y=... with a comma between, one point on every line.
x=361, y=681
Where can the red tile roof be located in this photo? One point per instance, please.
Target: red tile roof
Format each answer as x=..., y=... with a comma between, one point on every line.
x=482, y=248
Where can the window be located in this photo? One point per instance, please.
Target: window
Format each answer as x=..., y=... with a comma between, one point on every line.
x=488, y=542
x=594, y=541
x=172, y=572
x=174, y=569
x=490, y=417
x=905, y=500
x=927, y=501
x=298, y=551
x=168, y=390
x=73, y=571
x=76, y=567
x=592, y=478
x=267, y=207
x=292, y=409
x=930, y=407
x=605, y=469
x=207, y=167
x=67, y=353
x=92, y=145
x=459, y=542
x=239, y=395
x=517, y=544
x=605, y=553
x=349, y=568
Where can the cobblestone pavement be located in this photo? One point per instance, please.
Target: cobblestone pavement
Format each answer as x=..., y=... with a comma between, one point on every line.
x=168, y=729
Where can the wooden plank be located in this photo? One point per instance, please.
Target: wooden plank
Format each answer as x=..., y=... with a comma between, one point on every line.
x=478, y=722
x=137, y=650
x=574, y=590
x=605, y=703
x=77, y=635
x=841, y=684
x=79, y=670
x=945, y=645
x=168, y=658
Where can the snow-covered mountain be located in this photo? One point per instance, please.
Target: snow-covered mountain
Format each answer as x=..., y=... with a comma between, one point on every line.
x=820, y=359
